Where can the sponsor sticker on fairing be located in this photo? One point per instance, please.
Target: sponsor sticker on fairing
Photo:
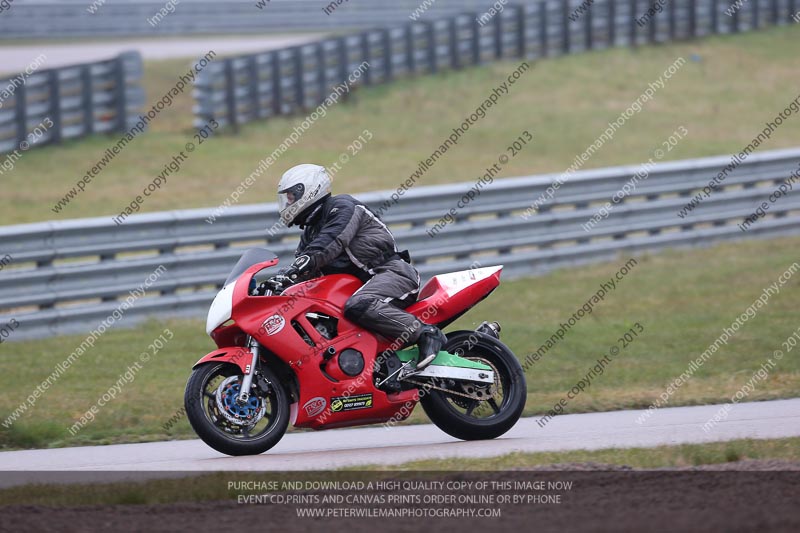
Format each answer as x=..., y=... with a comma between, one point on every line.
x=351, y=403
x=315, y=406
x=274, y=324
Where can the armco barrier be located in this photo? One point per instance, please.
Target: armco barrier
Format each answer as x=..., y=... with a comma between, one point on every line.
x=67, y=276
x=295, y=80
x=115, y=18
x=39, y=107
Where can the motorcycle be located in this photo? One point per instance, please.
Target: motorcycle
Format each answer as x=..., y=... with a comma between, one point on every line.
x=286, y=354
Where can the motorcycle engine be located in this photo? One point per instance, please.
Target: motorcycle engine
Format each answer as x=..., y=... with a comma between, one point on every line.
x=327, y=326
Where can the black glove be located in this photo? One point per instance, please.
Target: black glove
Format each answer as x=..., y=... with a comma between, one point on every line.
x=301, y=266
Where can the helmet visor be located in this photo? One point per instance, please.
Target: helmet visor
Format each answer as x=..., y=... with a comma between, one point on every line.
x=289, y=196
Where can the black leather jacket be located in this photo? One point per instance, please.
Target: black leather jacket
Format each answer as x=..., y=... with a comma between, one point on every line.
x=341, y=235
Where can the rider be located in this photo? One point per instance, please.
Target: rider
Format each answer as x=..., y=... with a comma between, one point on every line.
x=341, y=235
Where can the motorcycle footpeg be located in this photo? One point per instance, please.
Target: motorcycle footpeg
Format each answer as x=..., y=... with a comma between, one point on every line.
x=399, y=373
x=409, y=370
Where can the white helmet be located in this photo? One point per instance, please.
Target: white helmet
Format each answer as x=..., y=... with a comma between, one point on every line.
x=300, y=187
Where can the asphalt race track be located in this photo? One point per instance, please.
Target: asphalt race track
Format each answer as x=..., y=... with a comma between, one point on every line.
x=379, y=445
x=17, y=57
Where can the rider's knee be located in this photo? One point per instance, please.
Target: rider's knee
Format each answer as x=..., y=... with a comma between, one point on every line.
x=356, y=307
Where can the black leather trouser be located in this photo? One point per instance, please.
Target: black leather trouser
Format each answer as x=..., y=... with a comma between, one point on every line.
x=378, y=305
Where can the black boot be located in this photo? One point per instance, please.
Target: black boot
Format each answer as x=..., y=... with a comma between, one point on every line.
x=429, y=343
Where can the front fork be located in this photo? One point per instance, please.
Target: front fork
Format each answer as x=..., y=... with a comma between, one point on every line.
x=247, y=382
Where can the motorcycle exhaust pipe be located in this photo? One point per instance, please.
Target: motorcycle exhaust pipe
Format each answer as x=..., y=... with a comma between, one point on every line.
x=492, y=329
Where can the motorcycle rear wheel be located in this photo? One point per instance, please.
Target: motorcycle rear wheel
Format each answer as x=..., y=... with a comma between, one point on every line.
x=472, y=419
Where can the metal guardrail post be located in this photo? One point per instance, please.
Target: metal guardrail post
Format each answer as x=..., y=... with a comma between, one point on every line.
x=452, y=32
x=756, y=13
x=714, y=17
x=230, y=96
x=671, y=18
x=692, y=18
x=344, y=60
x=120, y=94
x=87, y=99
x=431, y=38
x=54, y=86
x=522, y=44
x=253, y=83
x=565, y=40
x=543, y=41
x=497, y=21
x=21, y=113
x=774, y=12
x=366, y=56
x=632, y=24
x=475, y=38
x=299, y=79
x=612, y=22
x=388, y=55
x=410, y=49
x=275, y=78
x=322, y=72
x=587, y=29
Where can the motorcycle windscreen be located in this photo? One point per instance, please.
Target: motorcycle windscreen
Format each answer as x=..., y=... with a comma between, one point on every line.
x=249, y=258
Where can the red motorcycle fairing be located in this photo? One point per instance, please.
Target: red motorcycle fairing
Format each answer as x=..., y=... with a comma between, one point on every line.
x=447, y=296
x=237, y=355
x=328, y=397
x=335, y=289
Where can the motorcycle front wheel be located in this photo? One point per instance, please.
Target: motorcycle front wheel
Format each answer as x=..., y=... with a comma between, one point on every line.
x=221, y=422
x=470, y=411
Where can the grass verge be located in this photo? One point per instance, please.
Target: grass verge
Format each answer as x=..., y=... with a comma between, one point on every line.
x=728, y=88
x=685, y=455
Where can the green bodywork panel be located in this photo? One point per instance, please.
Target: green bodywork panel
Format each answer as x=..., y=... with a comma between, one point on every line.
x=443, y=359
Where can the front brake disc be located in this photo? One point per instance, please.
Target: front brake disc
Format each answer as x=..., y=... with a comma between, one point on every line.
x=241, y=415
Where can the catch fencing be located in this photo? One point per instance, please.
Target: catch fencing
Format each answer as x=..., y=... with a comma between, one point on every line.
x=66, y=276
